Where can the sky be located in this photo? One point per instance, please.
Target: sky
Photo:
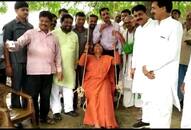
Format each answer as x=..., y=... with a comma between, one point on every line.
x=10, y=15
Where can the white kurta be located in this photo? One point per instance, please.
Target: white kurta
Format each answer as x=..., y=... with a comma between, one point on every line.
x=164, y=61
x=143, y=41
x=186, y=116
x=129, y=98
x=142, y=45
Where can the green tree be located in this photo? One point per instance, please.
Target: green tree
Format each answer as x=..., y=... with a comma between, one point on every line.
x=3, y=7
x=114, y=6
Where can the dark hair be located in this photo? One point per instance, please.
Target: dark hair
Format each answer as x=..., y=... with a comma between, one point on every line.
x=21, y=4
x=176, y=10
x=102, y=9
x=47, y=14
x=62, y=10
x=139, y=8
x=81, y=14
x=97, y=43
x=54, y=16
x=65, y=16
x=126, y=11
x=164, y=3
x=93, y=15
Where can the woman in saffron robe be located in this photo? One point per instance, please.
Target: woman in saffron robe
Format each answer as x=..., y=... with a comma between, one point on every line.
x=99, y=87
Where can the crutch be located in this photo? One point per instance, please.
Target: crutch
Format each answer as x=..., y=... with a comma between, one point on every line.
x=84, y=70
x=80, y=90
x=117, y=86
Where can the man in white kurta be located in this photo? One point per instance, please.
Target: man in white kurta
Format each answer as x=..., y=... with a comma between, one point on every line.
x=129, y=98
x=69, y=46
x=186, y=116
x=142, y=44
x=163, y=66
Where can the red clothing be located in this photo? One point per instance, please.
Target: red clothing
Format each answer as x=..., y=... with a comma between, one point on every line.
x=99, y=87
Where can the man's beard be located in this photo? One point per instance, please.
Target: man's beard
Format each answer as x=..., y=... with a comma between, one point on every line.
x=92, y=26
x=66, y=30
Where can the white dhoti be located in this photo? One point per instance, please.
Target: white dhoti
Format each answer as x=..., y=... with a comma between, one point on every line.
x=129, y=98
x=186, y=116
x=55, y=103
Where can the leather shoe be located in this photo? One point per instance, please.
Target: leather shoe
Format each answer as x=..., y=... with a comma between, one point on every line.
x=71, y=113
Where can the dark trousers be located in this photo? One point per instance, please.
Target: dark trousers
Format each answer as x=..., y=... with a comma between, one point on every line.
x=79, y=76
x=2, y=76
x=18, y=83
x=40, y=85
x=181, y=75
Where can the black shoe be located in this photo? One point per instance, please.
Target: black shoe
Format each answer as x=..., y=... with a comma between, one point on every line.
x=49, y=120
x=181, y=104
x=15, y=106
x=19, y=126
x=72, y=113
x=57, y=117
x=61, y=100
x=141, y=124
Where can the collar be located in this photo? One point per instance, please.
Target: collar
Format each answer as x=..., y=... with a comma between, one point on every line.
x=164, y=20
x=147, y=23
x=83, y=28
x=49, y=32
x=18, y=21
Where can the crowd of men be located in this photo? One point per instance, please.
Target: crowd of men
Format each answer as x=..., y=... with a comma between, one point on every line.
x=155, y=55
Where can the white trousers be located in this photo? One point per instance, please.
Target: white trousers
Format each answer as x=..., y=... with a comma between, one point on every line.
x=146, y=112
x=161, y=111
x=55, y=103
x=186, y=113
x=131, y=99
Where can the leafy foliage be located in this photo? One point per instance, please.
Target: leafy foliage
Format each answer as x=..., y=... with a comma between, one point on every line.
x=50, y=6
x=72, y=6
x=3, y=7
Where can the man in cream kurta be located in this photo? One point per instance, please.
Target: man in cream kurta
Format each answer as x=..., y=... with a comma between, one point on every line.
x=69, y=51
x=184, y=55
x=163, y=66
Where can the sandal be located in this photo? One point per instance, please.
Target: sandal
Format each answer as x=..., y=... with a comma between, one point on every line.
x=57, y=117
x=49, y=120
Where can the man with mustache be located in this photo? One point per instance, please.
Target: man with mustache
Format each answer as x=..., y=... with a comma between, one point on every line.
x=15, y=62
x=61, y=12
x=124, y=13
x=81, y=32
x=142, y=43
x=104, y=32
x=92, y=21
x=128, y=31
x=43, y=60
x=54, y=22
x=68, y=41
x=162, y=67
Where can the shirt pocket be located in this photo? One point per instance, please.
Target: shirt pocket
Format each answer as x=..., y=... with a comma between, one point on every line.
x=72, y=44
x=164, y=37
